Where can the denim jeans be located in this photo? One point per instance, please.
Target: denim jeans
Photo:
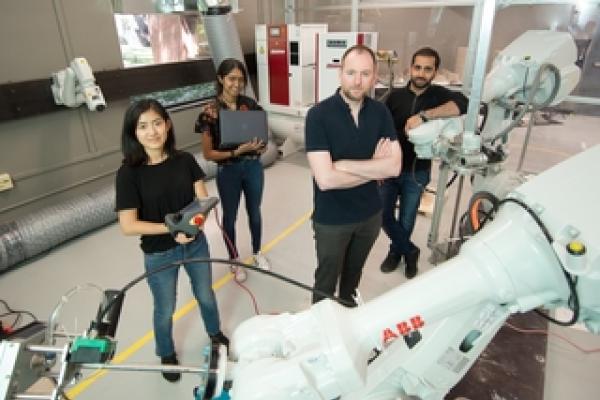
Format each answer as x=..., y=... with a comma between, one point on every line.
x=163, y=286
x=341, y=253
x=247, y=176
x=398, y=226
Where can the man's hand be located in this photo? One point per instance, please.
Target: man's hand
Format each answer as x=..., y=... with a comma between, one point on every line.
x=383, y=148
x=412, y=122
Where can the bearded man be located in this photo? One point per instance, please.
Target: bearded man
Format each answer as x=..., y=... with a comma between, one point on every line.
x=418, y=102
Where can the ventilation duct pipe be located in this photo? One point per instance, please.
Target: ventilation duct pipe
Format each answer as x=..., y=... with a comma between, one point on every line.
x=223, y=38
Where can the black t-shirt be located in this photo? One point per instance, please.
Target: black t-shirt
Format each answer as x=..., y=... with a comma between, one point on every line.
x=404, y=103
x=330, y=127
x=157, y=190
x=206, y=122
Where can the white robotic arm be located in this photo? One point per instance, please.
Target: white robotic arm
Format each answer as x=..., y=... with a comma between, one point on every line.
x=418, y=339
x=536, y=70
x=422, y=337
x=431, y=329
x=76, y=85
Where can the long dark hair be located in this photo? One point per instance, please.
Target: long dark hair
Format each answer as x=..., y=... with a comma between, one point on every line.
x=133, y=152
x=226, y=66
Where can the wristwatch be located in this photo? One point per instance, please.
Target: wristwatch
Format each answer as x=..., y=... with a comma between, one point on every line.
x=232, y=153
x=423, y=116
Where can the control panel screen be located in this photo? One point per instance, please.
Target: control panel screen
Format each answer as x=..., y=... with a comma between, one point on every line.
x=336, y=43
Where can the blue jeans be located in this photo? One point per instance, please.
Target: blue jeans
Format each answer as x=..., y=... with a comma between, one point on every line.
x=407, y=188
x=163, y=286
x=247, y=176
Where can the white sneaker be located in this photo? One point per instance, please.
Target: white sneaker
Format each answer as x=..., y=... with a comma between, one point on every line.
x=261, y=261
x=239, y=273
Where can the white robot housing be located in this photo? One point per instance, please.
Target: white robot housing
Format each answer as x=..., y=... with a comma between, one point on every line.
x=76, y=85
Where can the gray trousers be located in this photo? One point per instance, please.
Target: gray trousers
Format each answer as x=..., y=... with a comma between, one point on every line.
x=341, y=253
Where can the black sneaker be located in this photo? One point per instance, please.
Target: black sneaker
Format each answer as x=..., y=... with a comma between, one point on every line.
x=219, y=338
x=412, y=260
x=170, y=360
x=390, y=263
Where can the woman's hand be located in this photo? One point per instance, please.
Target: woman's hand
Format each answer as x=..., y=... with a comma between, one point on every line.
x=211, y=110
x=182, y=238
x=254, y=145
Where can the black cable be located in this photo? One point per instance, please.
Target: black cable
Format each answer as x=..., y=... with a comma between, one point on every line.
x=571, y=282
x=483, y=109
x=18, y=314
x=424, y=187
x=573, y=301
x=451, y=181
x=228, y=262
x=533, y=215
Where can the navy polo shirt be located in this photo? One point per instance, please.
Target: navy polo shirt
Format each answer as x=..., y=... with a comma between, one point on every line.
x=330, y=127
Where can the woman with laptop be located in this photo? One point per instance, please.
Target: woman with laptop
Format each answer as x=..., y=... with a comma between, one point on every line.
x=239, y=168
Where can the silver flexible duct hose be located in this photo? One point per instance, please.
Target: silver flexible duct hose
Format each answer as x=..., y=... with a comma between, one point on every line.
x=45, y=229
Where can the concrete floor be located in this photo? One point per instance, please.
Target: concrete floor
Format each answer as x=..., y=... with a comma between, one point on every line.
x=108, y=259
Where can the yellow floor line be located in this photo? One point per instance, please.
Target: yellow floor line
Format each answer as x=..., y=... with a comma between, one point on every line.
x=141, y=342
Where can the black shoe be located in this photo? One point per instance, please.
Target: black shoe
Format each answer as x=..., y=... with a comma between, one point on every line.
x=390, y=263
x=170, y=360
x=411, y=263
x=219, y=338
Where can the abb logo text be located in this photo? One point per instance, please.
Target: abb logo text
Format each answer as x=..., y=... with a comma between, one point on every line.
x=403, y=328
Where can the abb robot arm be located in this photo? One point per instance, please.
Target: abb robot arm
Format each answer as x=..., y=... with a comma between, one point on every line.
x=430, y=330
x=422, y=337
x=535, y=71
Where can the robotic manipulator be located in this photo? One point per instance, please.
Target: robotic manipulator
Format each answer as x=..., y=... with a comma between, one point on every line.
x=76, y=85
x=542, y=249
x=418, y=340
x=535, y=71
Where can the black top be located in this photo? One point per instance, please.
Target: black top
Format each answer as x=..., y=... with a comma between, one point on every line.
x=330, y=127
x=208, y=121
x=404, y=103
x=157, y=190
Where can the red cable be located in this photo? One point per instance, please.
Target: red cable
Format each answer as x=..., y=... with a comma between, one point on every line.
x=544, y=332
x=234, y=251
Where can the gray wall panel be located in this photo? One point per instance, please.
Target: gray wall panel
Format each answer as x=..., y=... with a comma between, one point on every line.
x=92, y=33
x=57, y=155
x=30, y=40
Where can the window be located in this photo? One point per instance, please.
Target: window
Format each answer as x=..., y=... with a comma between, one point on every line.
x=160, y=38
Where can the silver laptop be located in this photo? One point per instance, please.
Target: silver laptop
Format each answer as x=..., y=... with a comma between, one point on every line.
x=239, y=127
